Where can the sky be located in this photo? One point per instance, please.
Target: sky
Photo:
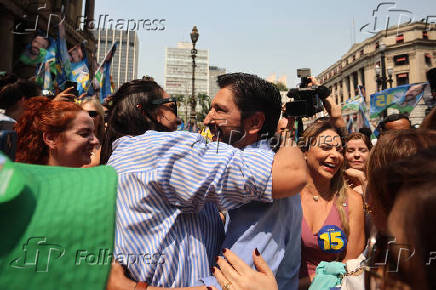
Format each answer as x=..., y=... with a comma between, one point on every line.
x=260, y=37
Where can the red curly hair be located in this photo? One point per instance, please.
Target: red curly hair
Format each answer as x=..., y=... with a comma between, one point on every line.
x=41, y=115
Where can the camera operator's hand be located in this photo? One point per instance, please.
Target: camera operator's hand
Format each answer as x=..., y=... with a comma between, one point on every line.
x=313, y=82
x=334, y=111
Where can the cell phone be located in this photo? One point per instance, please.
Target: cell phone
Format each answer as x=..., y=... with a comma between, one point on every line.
x=69, y=84
x=8, y=143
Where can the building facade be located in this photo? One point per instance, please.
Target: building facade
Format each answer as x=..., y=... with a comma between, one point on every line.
x=20, y=19
x=410, y=52
x=124, y=66
x=214, y=72
x=178, y=74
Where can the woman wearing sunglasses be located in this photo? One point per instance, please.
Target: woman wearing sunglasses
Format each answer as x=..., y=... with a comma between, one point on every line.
x=139, y=106
x=96, y=112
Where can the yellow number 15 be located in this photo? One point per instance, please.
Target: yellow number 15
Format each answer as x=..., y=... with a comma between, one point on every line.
x=332, y=240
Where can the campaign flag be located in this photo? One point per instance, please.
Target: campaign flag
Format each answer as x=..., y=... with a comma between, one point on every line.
x=63, y=63
x=102, y=77
x=354, y=112
x=106, y=88
x=403, y=98
x=47, y=71
x=80, y=72
x=45, y=57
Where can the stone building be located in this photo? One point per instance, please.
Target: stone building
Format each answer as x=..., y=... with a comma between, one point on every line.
x=19, y=19
x=410, y=51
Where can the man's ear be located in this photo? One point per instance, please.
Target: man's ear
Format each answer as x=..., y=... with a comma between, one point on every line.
x=49, y=139
x=254, y=123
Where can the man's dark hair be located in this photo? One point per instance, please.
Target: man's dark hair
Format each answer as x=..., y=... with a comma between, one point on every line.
x=393, y=118
x=11, y=93
x=431, y=77
x=253, y=94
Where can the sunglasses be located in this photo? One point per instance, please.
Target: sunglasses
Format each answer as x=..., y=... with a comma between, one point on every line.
x=172, y=107
x=93, y=114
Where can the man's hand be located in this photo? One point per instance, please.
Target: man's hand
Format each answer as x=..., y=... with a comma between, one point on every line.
x=117, y=280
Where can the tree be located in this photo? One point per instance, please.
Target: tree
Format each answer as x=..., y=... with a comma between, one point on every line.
x=204, y=102
x=281, y=86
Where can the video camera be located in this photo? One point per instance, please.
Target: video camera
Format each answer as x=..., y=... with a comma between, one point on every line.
x=306, y=101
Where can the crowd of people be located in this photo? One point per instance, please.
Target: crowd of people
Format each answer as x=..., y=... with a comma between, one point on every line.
x=237, y=212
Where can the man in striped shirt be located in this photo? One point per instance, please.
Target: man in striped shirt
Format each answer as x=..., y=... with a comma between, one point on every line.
x=273, y=228
x=168, y=229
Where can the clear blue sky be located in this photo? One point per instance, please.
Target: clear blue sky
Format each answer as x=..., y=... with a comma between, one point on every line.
x=260, y=37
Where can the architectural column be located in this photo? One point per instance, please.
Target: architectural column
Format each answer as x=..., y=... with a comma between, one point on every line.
x=7, y=41
x=89, y=10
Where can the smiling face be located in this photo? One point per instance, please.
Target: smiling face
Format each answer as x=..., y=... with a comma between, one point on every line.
x=76, y=54
x=224, y=118
x=356, y=154
x=324, y=157
x=74, y=146
x=39, y=42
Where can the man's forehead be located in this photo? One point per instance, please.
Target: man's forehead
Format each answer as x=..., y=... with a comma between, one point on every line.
x=224, y=97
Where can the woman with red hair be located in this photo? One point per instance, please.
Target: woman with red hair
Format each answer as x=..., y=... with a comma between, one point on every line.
x=55, y=133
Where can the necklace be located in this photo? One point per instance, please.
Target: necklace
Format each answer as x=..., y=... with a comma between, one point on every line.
x=315, y=198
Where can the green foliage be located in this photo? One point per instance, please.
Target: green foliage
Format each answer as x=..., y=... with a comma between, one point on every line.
x=204, y=102
x=281, y=86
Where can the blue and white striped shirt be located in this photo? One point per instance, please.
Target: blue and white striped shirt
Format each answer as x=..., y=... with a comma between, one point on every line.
x=168, y=232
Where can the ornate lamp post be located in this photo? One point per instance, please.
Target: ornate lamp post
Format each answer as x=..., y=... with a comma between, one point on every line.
x=390, y=74
x=194, y=38
x=377, y=77
x=381, y=73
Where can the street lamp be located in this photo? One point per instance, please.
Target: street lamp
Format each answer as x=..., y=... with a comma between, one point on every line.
x=377, y=76
x=194, y=38
x=382, y=49
x=390, y=74
x=380, y=72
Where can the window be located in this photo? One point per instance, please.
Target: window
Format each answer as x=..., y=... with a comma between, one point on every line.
x=401, y=59
x=400, y=38
x=427, y=57
x=402, y=79
x=361, y=52
x=425, y=34
x=377, y=45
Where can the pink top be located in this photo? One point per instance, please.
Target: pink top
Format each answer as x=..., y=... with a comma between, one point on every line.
x=311, y=253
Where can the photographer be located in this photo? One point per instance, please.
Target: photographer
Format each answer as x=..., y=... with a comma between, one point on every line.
x=334, y=111
x=308, y=100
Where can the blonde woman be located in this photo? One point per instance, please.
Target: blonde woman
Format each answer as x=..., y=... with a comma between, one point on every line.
x=96, y=112
x=333, y=220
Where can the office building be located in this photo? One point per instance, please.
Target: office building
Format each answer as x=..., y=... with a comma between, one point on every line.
x=124, y=66
x=178, y=74
x=214, y=72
